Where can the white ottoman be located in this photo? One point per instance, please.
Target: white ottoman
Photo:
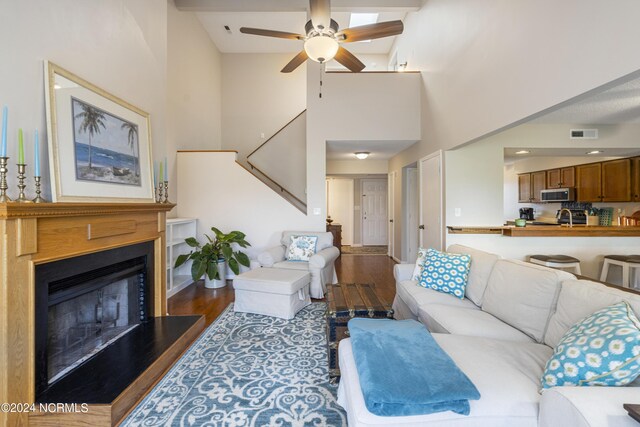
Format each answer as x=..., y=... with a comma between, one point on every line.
x=272, y=291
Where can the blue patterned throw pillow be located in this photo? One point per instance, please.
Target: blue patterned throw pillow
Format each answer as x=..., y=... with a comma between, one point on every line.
x=417, y=271
x=302, y=248
x=602, y=349
x=445, y=272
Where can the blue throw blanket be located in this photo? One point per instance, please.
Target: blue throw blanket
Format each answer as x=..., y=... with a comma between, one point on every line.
x=403, y=371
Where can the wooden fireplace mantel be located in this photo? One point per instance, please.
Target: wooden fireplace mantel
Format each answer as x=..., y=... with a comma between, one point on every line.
x=32, y=234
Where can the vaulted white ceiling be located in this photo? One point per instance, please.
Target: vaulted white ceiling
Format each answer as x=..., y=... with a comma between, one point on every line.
x=286, y=15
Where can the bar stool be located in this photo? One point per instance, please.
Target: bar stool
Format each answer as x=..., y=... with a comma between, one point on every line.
x=557, y=261
x=627, y=262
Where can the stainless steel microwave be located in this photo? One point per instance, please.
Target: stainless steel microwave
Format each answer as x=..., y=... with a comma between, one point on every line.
x=558, y=195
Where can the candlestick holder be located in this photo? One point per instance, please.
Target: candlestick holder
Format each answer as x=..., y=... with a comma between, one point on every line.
x=159, y=193
x=38, y=198
x=166, y=192
x=3, y=180
x=22, y=167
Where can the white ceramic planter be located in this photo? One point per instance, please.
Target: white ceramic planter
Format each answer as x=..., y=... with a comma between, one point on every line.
x=215, y=283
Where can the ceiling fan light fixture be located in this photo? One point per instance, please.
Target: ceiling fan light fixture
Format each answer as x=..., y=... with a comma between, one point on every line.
x=362, y=155
x=321, y=48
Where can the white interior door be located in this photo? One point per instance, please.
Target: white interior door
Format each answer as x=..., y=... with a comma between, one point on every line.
x=391, y=213
x=412, y=212
x=374, y=212
x=431, y=231
x=340, y=206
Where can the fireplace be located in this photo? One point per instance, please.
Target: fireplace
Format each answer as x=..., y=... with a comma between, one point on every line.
x=85, y=304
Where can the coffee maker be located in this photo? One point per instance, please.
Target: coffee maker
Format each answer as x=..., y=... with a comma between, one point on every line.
x=526, y=213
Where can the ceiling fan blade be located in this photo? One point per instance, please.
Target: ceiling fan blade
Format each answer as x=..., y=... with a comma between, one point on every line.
x=271, y=33
x=349, y=60
x=320, y=11
x=295, y=62
x=372, y=31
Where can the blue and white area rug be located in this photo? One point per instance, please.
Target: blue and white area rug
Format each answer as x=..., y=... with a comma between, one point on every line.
x=249, y=370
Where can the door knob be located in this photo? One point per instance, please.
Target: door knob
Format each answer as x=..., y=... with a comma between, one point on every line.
x=390, y=220
x=421, y=227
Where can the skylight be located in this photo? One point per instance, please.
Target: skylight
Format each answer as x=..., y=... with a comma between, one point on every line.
x=360, y=19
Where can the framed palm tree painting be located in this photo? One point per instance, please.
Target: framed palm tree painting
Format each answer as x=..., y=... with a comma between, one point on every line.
x=100, y=145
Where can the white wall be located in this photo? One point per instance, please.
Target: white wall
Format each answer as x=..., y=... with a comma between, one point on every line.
x=371, y=62
x=258, y=99
x=118, y=45
x=488, y=65
x=336, y=167
x=230, y=198
x=375, y=106
x=193, y=88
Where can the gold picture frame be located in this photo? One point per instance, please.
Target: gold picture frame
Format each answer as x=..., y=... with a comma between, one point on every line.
x=99, y=144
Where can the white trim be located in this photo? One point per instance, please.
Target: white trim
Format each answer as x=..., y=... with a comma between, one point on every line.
x=396, y=260
x=357, y=245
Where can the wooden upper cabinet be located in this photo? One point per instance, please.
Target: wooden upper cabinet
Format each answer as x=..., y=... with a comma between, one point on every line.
x=561, y=177
x=616, y=181
x=524, y=188
x=588, y=182
x=538, y=183
x=635, y=179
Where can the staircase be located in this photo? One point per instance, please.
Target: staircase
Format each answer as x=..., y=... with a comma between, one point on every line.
x=281, y=162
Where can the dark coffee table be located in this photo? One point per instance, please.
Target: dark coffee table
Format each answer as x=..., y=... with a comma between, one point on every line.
x=346, y=301
x=633, y=410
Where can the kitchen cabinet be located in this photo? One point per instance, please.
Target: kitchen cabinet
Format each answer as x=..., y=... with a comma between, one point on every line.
x=604, y=182
x=561, y=177
x=616, y=181
x=635, y=179
x=530, y=185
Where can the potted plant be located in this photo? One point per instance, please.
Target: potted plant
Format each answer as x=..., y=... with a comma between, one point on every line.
x=210, y=259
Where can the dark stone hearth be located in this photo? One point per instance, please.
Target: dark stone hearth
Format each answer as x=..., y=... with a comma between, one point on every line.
x=102, y=378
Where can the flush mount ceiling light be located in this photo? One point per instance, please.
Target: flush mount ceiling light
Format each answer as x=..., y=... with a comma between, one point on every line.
x=362, y=155
x=595, y=152
x=523, y=152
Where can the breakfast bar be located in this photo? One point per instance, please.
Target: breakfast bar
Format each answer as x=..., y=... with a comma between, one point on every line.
x=549, y=231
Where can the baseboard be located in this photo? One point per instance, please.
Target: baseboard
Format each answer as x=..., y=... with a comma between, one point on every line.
x=177, y=289
x=396, y=260
x=357, y=245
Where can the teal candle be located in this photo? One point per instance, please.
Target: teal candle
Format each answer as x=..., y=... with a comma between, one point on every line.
x=166, y=169
x=36, y=155
x=20, y=148
x=155, y=174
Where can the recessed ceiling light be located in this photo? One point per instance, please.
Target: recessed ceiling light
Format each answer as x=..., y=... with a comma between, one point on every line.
x=362, y=155
x=523, y=152
x=57, y=86
x=595, y=152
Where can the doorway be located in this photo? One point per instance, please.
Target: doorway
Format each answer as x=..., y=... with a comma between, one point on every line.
x=391, y=214
x=374, y=212
x=340, y=206
x=431, y=204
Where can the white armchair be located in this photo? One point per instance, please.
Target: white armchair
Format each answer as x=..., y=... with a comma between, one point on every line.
x=319, y=265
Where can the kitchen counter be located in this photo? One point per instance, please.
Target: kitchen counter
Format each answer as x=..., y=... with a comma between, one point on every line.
x=549, y=231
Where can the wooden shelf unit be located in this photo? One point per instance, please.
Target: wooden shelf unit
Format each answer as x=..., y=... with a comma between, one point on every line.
x=178, y=229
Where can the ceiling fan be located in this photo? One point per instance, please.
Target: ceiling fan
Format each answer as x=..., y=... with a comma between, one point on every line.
x=322, y=37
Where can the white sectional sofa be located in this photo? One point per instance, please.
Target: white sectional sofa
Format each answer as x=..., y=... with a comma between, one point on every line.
x=501, y=336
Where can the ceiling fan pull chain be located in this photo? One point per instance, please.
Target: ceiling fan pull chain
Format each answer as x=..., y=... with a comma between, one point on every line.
x=321, y=69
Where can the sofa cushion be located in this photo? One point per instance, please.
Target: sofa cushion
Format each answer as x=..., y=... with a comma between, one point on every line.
x=444, y=272
x=481, y=265
x=302, y=247
x=414, y=296
x=603, y=349
x=292, y=265
x=524, y=295
x=464, y=321
x=578, y=299
x=505, y=373
x=417, y=271
x=325, y=239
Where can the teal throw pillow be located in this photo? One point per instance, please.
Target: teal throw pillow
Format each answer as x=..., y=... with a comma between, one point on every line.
x=445, y=272
x=302, y=248
x=602, y=349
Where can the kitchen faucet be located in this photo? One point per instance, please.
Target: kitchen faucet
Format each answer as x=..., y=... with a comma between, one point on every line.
x=570, y=216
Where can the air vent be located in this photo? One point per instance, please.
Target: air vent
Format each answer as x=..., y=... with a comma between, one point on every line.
x=583, y=133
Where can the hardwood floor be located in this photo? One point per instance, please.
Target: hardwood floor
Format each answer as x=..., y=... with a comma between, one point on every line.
x=376, y=269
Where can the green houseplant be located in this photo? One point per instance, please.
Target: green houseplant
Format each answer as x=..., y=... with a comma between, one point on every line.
x=209, y=260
